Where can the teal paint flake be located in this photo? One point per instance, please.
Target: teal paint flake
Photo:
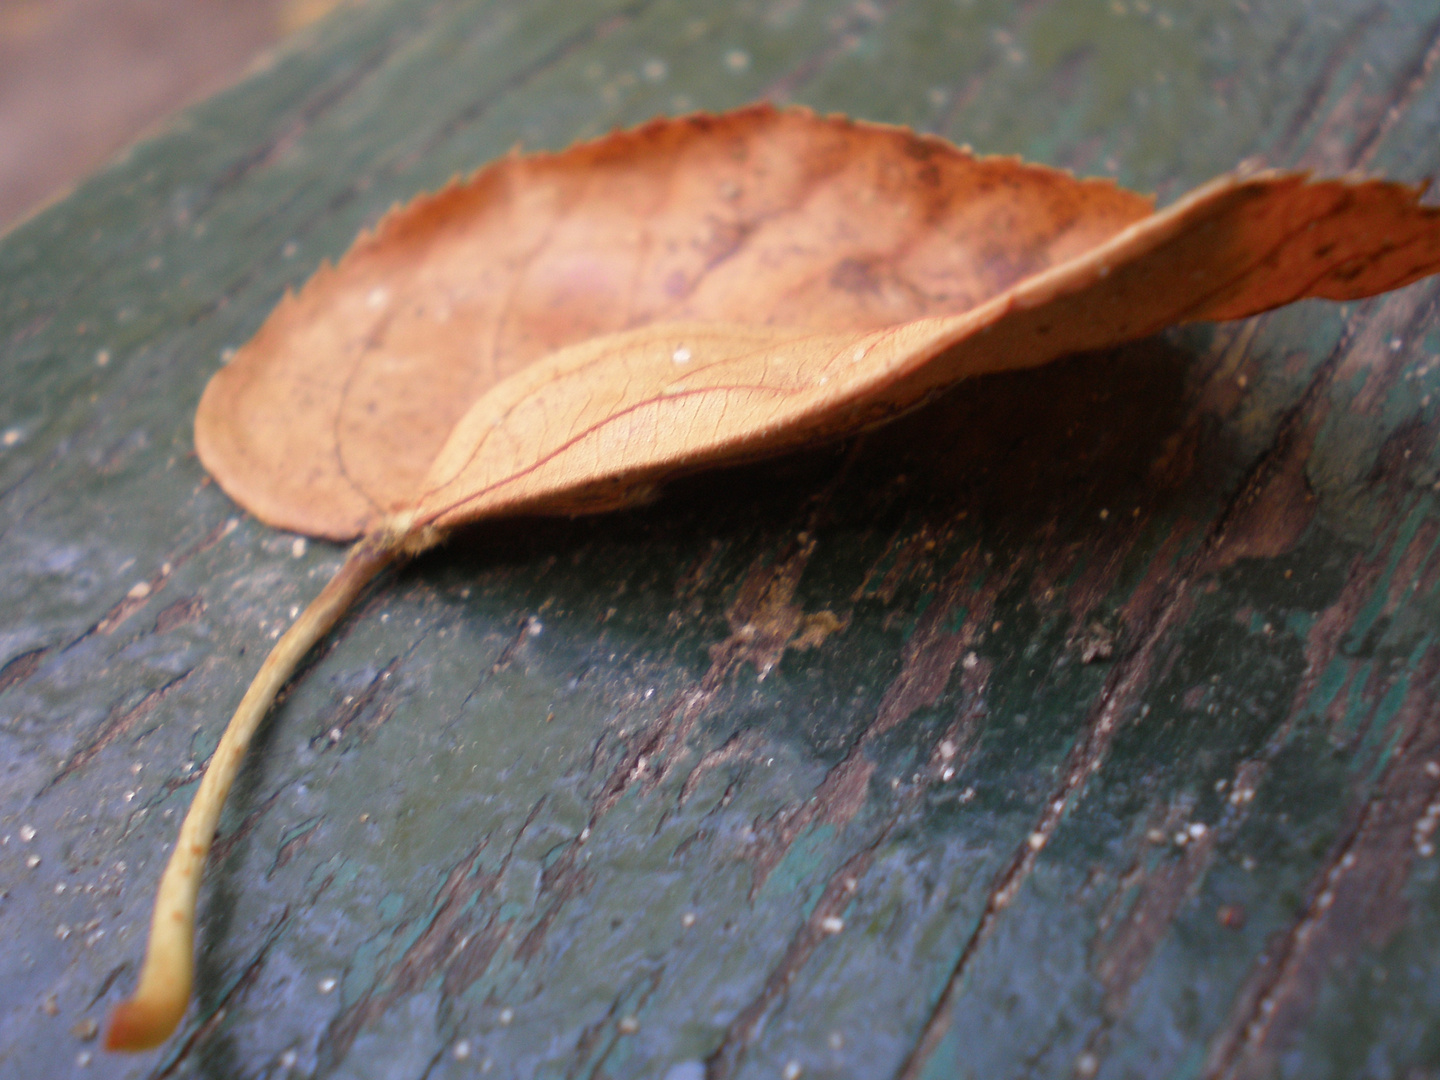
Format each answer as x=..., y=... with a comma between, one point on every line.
x=797, y=874
x=1385, y=713
x=1300, y=623
x=1355, y=707
x=1367, y=615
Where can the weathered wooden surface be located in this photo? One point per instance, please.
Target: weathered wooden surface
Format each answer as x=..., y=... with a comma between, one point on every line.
x=1100, y=719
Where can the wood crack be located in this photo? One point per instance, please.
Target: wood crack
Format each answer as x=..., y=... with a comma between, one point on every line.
x=116, y=726
x=457, y=942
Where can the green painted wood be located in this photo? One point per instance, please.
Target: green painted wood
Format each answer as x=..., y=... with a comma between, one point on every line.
x=1098, y=728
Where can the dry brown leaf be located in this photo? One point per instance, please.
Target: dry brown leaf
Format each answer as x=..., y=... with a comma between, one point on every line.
x=563, y=332
x=333, y=414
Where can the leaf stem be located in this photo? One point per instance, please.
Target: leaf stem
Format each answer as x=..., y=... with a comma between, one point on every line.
x=147, y=1018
